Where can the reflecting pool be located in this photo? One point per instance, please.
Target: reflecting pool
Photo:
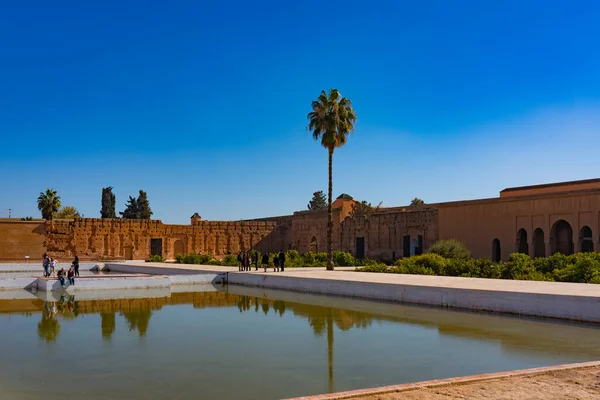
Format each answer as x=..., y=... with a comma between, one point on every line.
x=245, y=343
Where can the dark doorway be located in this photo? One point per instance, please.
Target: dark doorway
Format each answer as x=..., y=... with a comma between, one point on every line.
x=360, y=248
x=539, y=244
x=406, y=246
x=522, y=245
x=561, y=238
x=156, y=247
x=419, y=249
x=496, y=252
x=586, y=240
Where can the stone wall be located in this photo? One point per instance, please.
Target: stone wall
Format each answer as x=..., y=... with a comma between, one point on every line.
x=385, y=232
x=19, y=239
x=94, y=238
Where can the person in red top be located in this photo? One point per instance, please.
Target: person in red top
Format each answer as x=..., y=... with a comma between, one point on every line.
x=71, y=275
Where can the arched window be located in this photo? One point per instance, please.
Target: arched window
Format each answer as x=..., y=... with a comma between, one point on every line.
x=539, y=245
x=561, y=238
x=522, y=245
x=586, y=240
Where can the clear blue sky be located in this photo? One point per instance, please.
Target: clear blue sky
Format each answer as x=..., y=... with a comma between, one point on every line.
x=203, y=104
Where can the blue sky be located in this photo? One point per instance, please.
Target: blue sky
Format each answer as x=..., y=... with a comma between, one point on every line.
x=203, y=105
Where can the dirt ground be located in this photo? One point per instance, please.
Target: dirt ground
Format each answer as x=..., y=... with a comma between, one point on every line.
x=559, y=385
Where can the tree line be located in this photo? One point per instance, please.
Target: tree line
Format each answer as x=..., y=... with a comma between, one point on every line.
x=49, y=204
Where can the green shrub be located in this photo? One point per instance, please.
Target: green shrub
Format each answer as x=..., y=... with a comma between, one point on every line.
x=450, y=248
x=230, y=260
x=343, y=259
x=321, y=257
x=291, y=255
x=308, y=258
x=201, y=259
x=156, y=258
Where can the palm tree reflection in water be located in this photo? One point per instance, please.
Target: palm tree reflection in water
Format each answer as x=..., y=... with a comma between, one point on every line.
x=321, y=319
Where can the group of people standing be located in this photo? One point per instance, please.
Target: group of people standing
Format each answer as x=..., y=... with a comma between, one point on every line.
x=50, y=264
x=246, y=259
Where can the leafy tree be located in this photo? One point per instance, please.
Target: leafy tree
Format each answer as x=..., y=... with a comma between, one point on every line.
x=195, y=216
x=109, y=202
x=331, y=120
x=48, y=203
x=363, y=209
x=416, y=202
x=137, y=208
x=67, y=212
x=27, y=219
x=144, y=206
x=131, y=209
x=318, y=202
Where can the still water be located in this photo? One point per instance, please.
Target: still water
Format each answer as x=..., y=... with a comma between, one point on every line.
x=244, y=343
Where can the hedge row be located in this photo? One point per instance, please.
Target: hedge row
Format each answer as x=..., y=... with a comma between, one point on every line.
x=579, y=267
x=292, y=259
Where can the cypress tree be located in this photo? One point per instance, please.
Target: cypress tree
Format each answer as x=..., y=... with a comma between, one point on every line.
x=108, y=203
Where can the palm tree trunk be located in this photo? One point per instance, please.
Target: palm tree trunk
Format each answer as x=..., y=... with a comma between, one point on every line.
x=330, y=214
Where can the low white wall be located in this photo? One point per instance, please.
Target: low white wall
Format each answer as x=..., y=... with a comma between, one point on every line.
x=198, y=279
x=143, y=282
x=580, y=308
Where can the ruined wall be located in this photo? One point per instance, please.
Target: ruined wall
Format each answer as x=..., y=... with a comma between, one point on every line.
x=21, y=238
x=384, y=231
x=95, y=238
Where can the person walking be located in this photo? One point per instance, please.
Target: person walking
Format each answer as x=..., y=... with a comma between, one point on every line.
x=71, y=274
x=239, y=260
x=265, y=261
x=46, y=265
x=275, y=263
x=281, y=260
x=256, y=260
x=76, y=265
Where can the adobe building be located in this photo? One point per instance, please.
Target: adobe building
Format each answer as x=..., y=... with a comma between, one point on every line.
x=537, y=220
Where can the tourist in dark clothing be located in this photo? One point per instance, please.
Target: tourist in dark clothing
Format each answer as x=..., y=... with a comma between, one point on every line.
x=275, y=263
x=256, y=260
x=281, y=260
x=61, y=276
x=265, y=261
x=76, y=265
x=46, y=265
x=71, y=274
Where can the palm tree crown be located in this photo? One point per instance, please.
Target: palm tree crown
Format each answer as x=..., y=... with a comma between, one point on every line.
x=332, y=119
x=48, y=203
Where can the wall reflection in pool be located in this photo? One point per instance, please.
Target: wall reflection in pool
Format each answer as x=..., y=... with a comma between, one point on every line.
x=244, y=343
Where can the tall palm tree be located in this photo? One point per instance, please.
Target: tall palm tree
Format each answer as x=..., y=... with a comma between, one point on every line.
x=48, y=203
x=332, y=119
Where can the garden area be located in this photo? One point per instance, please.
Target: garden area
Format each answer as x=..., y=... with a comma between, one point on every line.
x=452, y=258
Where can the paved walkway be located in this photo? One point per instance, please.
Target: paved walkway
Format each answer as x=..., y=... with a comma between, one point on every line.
x=571, y=381
x=348, y=274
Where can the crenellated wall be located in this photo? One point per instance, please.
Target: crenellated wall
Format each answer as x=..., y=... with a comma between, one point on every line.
x=95, y=238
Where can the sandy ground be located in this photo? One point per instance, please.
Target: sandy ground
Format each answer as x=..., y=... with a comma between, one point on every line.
x=566, y=384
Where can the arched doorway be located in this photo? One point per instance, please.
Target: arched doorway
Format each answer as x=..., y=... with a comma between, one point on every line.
x=522, y=245
x=178, y=247
x=539, y=245
x=586, y=240
x=313, y=245
x=496, y=252
x=561, y=238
